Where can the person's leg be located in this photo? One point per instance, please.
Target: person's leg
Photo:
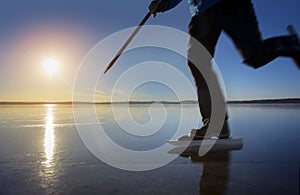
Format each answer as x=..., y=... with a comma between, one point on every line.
x=240, y=23
x=202, y=29
x=206, y=30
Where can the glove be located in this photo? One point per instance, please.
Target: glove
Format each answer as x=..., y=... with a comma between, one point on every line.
x=157, y=6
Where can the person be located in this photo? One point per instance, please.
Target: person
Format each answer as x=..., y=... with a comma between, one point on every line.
x=237, y=19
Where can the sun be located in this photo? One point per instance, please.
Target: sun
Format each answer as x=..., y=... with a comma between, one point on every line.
x=51, y=66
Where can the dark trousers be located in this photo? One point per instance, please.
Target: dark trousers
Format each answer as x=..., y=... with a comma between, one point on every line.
x=238, y=20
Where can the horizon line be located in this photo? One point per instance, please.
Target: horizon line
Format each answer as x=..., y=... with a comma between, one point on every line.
x=275, y=100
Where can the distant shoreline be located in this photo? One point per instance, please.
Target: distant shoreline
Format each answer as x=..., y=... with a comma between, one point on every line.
x=268, y=101
x=262, y=101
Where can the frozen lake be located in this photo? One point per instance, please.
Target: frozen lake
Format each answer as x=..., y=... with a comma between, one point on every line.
x=42, y=152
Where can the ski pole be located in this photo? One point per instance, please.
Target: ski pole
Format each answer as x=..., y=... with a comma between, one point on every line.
x=131, y=37
x=127, y=42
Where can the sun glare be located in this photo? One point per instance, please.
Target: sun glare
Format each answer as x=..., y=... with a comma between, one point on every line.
x=51, y=66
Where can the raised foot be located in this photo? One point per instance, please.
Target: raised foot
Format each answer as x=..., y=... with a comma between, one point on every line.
x=296, y=58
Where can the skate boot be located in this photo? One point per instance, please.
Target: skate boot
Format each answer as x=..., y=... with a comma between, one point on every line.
x=284, y=46
x=198, y=134
x=296, y=53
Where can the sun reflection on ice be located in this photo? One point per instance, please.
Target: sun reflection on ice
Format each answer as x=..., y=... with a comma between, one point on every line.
x=49, y=137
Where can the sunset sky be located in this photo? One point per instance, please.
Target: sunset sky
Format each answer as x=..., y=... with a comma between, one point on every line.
x=36, y=35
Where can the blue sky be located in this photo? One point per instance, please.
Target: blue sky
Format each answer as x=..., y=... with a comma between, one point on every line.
x=33, y=30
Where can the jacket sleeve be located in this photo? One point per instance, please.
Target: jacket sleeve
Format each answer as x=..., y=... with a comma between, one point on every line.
x=172, y=4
